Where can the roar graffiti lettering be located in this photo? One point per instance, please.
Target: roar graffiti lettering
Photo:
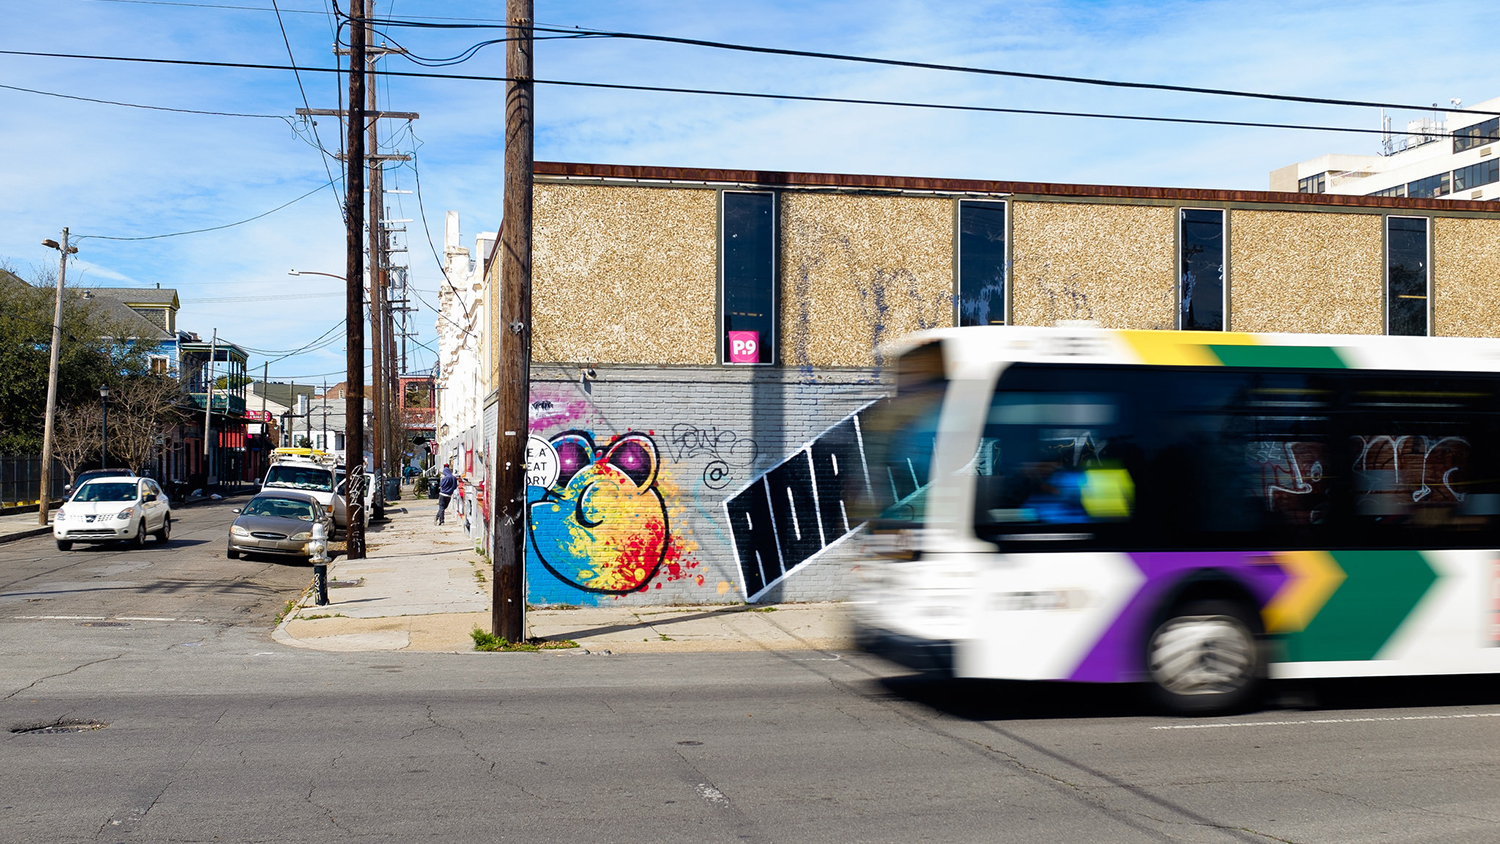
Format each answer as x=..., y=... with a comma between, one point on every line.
x=602, y=525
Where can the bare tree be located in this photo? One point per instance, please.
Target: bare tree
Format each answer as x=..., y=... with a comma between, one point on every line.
x=76, y=437
x=142, y=411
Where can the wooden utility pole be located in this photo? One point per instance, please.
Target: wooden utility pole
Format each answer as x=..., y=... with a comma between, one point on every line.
x=208, y=410
x=354, y=302
x=380, y=421
x=513, y=375
x=62, y=277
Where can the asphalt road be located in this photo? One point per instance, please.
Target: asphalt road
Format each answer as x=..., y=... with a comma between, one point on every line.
x=208, y=731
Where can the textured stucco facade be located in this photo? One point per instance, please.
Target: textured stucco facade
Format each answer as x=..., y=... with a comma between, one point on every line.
x=624, y=275
x=858, y=271
x=1306, y=272
x=1466, y=277
x=1112, y=264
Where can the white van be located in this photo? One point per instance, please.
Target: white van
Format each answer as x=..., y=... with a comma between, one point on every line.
x=313, y=472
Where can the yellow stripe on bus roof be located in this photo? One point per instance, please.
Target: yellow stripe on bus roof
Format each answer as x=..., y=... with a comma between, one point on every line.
x=1183, y=348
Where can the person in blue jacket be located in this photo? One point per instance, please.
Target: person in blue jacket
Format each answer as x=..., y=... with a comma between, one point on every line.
x=447, y=485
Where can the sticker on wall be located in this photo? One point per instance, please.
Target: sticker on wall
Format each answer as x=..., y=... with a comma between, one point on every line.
x=601, y=524
x=744, y=346
x=542, y=464
x=799, y=508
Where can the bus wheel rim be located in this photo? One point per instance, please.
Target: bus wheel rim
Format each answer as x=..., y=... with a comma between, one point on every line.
x=1202, y=655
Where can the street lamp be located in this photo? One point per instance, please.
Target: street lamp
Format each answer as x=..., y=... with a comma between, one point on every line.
x=104, y=427
x=313, y=272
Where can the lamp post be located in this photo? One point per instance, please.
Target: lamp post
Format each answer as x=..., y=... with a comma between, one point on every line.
x=104, y=427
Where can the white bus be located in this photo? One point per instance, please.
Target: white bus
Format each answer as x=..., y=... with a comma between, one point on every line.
x=1196, y=510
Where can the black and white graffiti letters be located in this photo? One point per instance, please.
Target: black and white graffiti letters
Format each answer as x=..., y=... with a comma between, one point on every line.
x=799, y=507
x=724, y=448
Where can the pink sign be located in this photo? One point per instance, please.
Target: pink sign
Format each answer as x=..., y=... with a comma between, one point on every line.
x=744, y=347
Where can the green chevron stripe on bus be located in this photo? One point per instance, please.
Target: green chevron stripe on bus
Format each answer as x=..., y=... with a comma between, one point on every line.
x=1380, y=589
x=1290, y=357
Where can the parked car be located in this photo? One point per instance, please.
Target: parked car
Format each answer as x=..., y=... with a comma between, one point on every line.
x=114, y=509
x=96, y=473
x=277, y=521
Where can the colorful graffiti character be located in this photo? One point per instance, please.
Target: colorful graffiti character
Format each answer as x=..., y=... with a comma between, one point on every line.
x=602, y=525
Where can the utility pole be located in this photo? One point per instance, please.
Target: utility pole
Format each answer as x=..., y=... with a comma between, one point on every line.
x=354, y=302
x=381, y=419
x=62, y=275
x=265, y=418
x=208, y=409
x=508, y=494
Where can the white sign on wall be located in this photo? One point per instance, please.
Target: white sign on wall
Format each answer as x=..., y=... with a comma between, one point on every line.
x=542, y=464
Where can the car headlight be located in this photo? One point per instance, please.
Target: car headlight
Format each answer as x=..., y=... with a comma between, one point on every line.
x=300, y=537
x=238, y=531
x=126, y=513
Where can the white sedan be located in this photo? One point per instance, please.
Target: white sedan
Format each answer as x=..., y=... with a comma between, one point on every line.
x=114, y=509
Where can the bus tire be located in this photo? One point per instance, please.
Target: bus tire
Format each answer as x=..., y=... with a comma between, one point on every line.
x=1206, y=657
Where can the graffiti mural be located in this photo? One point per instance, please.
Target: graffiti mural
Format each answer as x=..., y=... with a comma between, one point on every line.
x=603, y=527
x=799, y=508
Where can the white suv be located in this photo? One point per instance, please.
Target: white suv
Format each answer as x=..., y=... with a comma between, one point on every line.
x=114, y=509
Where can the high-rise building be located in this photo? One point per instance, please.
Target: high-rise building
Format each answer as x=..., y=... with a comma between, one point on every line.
x=1422, y=162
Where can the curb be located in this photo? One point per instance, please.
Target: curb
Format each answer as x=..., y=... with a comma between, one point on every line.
x=25, y=534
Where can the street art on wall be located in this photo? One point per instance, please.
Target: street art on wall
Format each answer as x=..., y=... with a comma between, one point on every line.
x=799, y=508
x=602, y=527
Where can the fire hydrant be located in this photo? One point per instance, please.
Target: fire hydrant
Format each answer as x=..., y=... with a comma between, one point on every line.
x=317, y=549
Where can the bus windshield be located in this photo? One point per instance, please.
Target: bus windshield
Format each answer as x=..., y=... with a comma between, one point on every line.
x=900, y=432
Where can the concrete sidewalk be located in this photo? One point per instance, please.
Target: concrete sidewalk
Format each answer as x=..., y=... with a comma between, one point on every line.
x=424, y=588
x=15, y=526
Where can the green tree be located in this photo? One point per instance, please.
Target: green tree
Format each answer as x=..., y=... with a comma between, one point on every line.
x=95, y=350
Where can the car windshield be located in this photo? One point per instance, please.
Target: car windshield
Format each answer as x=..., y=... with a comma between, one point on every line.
x=279, y=508
x=301, y=477
x=106, y=492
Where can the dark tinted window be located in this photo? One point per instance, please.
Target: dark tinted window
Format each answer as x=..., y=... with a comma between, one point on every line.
x=1202, y=292
x=899, y=434
x=981, y=263
x=749, y=258
x=1477, y=135
x=1406, y=275
x=1483, y=173
x=1428, y=187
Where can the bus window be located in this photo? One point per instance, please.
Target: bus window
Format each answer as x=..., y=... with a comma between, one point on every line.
x=1421, y=460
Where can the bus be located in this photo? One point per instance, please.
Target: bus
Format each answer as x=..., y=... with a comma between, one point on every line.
x=1195, y=511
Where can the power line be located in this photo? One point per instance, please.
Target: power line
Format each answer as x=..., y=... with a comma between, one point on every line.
x=308, y=106
x=798, y=97
x=287, y=118
x=213, y=228
x=1014, y=74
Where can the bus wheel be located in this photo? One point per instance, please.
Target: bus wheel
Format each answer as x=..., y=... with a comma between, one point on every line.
x=1204, y=658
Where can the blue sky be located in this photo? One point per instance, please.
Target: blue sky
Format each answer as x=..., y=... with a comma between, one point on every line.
x=107, y=170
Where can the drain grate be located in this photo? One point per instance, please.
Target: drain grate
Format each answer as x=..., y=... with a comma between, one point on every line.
x=58, y=727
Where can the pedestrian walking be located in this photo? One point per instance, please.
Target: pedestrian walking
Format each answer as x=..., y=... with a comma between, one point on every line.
x=447, y=485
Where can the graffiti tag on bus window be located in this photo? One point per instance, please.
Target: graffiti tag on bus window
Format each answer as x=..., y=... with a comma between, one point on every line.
x=1395, y=473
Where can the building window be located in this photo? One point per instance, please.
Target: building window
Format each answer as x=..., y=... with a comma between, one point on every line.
x=747, y=238
x=1483, y=173
x=1428, y=187
x=1477, y=135
x=1406, y=278
x=338, y=440
x=160, y=365
x=1201, y=285
x=1398, y=190
x=1313, y=184
x=981, y=263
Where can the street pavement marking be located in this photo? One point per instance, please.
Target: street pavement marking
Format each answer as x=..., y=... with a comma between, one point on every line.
x=103, y=618
x=141, y=618
x=1327, y=721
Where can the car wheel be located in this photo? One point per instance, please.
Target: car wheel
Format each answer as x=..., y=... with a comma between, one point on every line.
x=139, y=540
x=1205, y=657
x=165, y=534
x=232, y=553
x=64, y=545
